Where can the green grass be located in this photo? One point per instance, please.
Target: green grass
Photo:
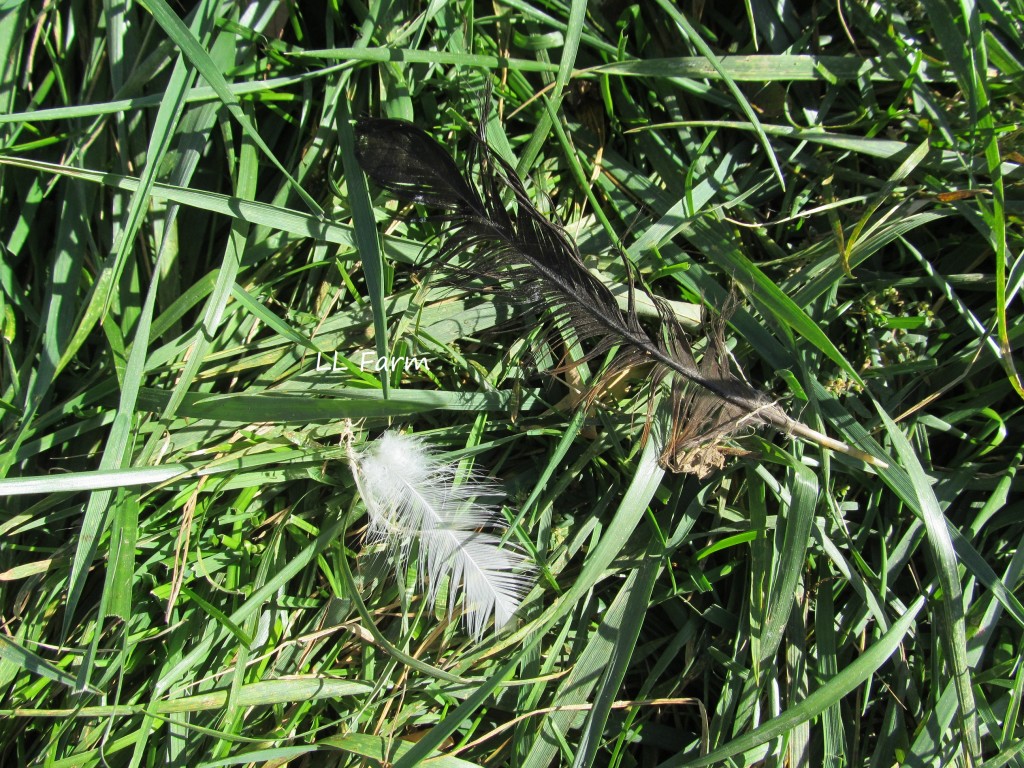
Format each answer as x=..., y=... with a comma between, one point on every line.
x=183, y=230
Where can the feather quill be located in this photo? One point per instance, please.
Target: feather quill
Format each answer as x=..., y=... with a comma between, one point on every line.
x=516, y=246
x=418, y=508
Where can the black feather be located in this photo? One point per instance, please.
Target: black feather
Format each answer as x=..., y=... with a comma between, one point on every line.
x=515, y=245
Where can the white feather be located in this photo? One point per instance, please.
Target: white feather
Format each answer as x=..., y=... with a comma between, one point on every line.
x=416, y=506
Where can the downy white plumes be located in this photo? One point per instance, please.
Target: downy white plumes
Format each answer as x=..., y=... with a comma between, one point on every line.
x=415, y=508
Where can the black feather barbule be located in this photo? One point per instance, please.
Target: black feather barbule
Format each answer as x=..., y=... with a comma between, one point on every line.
x=519, y=247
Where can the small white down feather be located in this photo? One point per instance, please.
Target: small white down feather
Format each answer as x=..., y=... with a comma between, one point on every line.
x=417, y=507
